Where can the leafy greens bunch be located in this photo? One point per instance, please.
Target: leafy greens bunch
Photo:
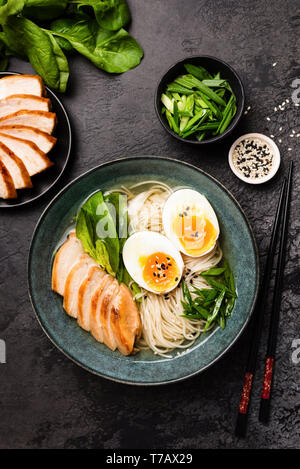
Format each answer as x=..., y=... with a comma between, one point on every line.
x=44, y=31
x=101, y=225
x=198, y=104
x=213, y=304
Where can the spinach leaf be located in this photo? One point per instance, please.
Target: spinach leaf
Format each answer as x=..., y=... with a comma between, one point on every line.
x=110, y=14
x=96, y=229
x=114, y=52
x=44, y=9
x=10, y=8
x=117, y=204
x=26, y=39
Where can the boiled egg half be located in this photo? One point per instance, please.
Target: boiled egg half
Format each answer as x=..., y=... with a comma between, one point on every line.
x=190, y=222
x=153, y=261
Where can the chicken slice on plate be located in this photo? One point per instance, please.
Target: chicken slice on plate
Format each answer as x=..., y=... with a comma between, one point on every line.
x=21, y=84
x=44, y=141
x=85, y=294
x=16, y=168
x=65, y=258
x=96, y=326
x=7, y=187
x=18, y=102
x=33, y=158
x=125, y=320
x=41, y=120
x=75, y=277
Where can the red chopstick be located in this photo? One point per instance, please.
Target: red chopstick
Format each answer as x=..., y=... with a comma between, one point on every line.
x=257, y=324
x=264, y=411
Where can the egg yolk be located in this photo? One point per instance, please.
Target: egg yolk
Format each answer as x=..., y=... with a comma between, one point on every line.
x=196, y=233
x=160, y=272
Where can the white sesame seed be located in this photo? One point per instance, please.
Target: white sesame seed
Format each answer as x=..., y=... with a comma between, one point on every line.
x=274, y=64
x=248, y=108
x=279, y=140
x=293, y=132
x=280, y=129
x=297, y=104
x=298, y=135
x=283, y=104
x=268, y=119
x=291, y=135
x=289, y=149
x=272, y=136
x=275, y=109
x=246, y=112
x=287, y=101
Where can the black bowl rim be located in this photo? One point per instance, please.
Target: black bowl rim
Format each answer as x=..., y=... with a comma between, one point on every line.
x=110, y=163
x=236, y=119
x=52, y=94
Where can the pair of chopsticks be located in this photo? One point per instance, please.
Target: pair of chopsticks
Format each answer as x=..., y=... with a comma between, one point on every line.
x=264, y=413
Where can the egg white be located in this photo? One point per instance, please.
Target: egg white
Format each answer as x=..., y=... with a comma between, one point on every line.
x=143, y=244
x=177, y=203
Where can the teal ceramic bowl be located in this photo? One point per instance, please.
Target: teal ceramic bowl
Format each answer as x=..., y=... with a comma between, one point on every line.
x=145, y=368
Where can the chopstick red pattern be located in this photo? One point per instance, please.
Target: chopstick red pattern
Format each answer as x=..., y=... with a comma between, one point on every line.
x=266, y=389
x=245, y=396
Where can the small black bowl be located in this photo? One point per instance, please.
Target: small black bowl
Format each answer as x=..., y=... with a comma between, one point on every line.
x=213, y=65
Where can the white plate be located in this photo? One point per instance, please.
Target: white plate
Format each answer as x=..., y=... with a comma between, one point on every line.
x=276, y=158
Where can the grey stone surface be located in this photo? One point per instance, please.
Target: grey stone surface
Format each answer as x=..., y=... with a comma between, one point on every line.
x=46, y=401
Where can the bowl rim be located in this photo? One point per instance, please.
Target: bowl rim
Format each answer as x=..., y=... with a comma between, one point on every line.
x=109, y=163
x=232, y=125
x=274, y=168
x=52, y=95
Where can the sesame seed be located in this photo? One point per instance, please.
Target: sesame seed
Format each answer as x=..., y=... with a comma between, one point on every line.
x=293, y=132
x=287, y=101
x=275, y=109
x=280, y=129
x=268, y=119
x=298, y=135
x=248, y=108
x=245, y=113
x=279, y=140
x=274, y=64
x=272, y=136
x=291, y=135
x=289, y=149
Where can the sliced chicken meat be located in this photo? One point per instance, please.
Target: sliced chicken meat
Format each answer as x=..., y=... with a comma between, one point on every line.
x=125, y=320
x=95, y=298
x=41, y=120
x=101, y=298
x=7, y=187
x=85, y=294
x=16, y=167
x=18, y=102
x=21, y=84
x=33, y=158
x=105, y=313
x=65, y=258
x=44, y=141
x=75, y=277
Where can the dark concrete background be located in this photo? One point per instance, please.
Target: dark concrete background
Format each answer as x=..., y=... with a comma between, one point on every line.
x=46, y=401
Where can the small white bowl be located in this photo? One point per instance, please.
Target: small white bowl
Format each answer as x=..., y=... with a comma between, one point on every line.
x=276, y=158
